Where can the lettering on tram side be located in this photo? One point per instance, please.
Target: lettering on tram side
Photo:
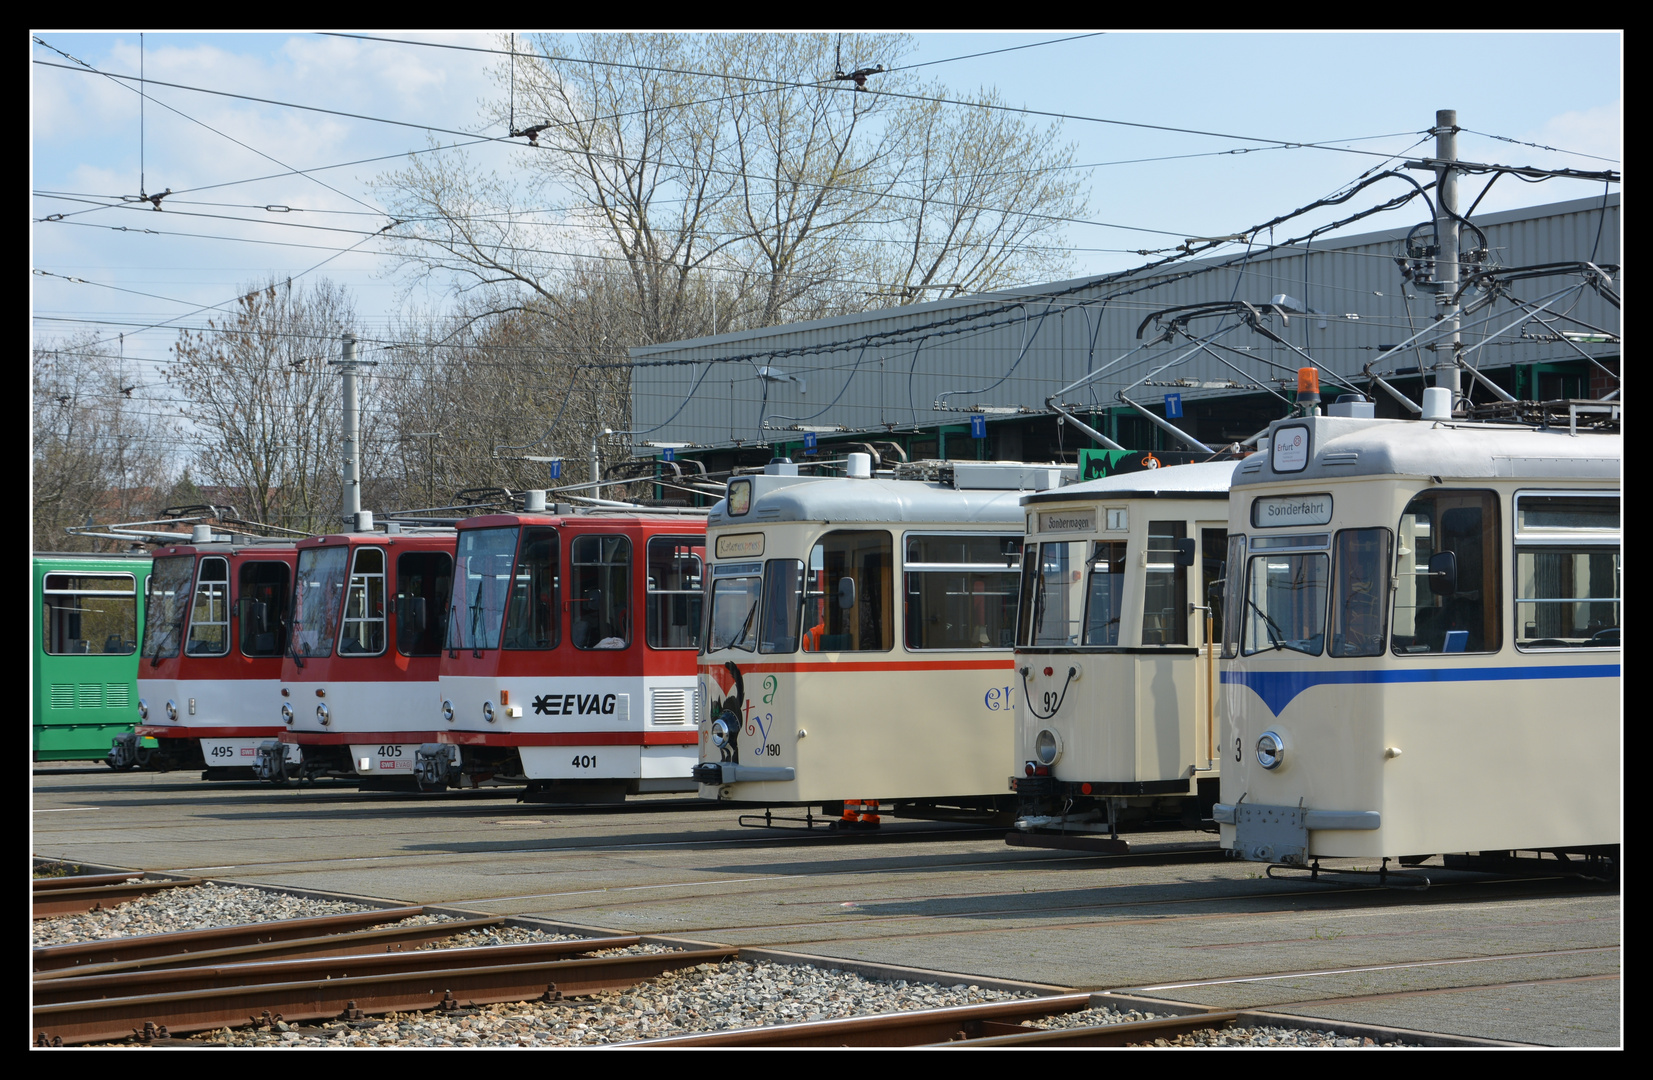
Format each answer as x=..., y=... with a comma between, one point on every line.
x=997, y=698
x=574, y=704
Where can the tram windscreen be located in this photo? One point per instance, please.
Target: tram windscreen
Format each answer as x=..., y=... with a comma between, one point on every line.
x=1053, y=593
x=734, y=623
x=165, y=604
x=1285, y=603
x=533, y=620
x=482, y=576
x=318, y=598
x=209, y=615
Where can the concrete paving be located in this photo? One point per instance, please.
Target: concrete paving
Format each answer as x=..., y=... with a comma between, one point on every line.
x=1533, y=962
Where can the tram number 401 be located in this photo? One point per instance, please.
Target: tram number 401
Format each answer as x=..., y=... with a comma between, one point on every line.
x=584, y=761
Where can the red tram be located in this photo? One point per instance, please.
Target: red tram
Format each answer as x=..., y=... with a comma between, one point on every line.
x=358, y=684
x=570, y=656
x=215, y=628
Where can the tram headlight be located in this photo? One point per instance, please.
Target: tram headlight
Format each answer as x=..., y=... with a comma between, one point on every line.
x=1047, y=746
x=322, y=716
x=1271, y=750
x=171, y=709
x=720, y=734
x=286, y=713
x=447, y=711
x=488, y=711
x=143, y=709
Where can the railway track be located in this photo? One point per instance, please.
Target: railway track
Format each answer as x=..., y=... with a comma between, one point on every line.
x=91, y=892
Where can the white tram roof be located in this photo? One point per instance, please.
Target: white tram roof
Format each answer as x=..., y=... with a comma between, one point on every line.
x=1344, y=447
x=1202, y=480
x=840, y=500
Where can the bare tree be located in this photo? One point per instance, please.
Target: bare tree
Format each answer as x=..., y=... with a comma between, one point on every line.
x=100, y=451
x=264, y=407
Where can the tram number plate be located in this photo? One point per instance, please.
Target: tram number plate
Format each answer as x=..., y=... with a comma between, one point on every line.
x=584, y=761
x=389, y=757
x=228, y=753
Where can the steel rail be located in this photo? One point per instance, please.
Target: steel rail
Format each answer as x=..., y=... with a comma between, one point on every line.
x=447, y=989
x=109, y=950
x=359, y=942
x=1132, y=1033
x=49, y=903
x=77, y=881
x=234, y=975
x=920, y=1027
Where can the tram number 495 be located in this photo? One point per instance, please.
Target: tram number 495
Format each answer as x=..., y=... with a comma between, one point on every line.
x=584, y=761
x=222, y=751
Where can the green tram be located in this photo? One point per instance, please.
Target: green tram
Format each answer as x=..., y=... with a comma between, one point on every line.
x=88, y=613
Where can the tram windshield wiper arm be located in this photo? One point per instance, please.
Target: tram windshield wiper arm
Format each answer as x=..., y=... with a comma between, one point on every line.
x=746, y=626
x=1276, y=636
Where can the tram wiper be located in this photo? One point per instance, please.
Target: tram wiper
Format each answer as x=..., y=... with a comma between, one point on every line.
x=1276, y=635
x=746, y=626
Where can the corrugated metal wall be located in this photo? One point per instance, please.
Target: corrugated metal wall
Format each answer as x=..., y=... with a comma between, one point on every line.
x=889, y=370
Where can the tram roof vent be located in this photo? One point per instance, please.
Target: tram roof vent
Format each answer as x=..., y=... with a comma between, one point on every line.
x=200, y=534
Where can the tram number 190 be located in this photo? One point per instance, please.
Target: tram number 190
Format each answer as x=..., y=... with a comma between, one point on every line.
x=584, y=761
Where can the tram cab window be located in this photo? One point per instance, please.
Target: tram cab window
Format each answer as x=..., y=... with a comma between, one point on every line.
x=1233, y=595
x=532, y=620
x=783, y=627
x=90, y=614
x=166, y=598
x=424, y=582
x=600, y=591
x=960, y=591
x=209, y=616
x=1568, y=576
x=262, y=595
x=857, y=572
x=318, y=597
x=674, y=591
x=1106, y=592
x=1360, y=584
x=364, y=605
x=1448, y=574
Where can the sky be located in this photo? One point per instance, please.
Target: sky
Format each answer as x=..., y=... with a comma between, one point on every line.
x=1180, y=136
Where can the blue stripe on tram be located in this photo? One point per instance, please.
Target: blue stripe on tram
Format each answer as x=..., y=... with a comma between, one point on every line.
x=1278, y=688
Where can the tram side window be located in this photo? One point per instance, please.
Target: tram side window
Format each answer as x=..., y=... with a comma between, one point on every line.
x=424, y=582
x=1360, y=582
x=600, y=582
x=1451, y=605
x=1106, y=594
x=674, y=591
x=1568, y=576
x=1212, y=542
x=783, y=581
x=961, y=591
x=1165, y=587
x=532, y=619
x=90, y=614
x=262, y=594
x=857, y=570
x=209, y=616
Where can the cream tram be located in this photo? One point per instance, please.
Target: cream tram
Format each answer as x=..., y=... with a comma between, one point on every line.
x=1421, y=650
x=1114, y=655
x=859, y=636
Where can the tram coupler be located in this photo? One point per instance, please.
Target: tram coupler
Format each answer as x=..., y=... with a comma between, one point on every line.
x=436, y=765
x=123, y=752
x=277, y=761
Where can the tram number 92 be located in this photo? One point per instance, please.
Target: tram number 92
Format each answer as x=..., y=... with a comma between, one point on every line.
x=584, y=761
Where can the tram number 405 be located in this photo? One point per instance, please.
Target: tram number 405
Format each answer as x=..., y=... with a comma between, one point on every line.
x=584, y=761
x=390, y=751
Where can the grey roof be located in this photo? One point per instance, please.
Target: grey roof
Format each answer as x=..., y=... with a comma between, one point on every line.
x=1206, y=479
x=836, y=500
x=1341, y=447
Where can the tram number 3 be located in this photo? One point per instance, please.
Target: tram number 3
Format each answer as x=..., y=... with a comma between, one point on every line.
x=584, y=761
x=1236, y=749
x=998, y=698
